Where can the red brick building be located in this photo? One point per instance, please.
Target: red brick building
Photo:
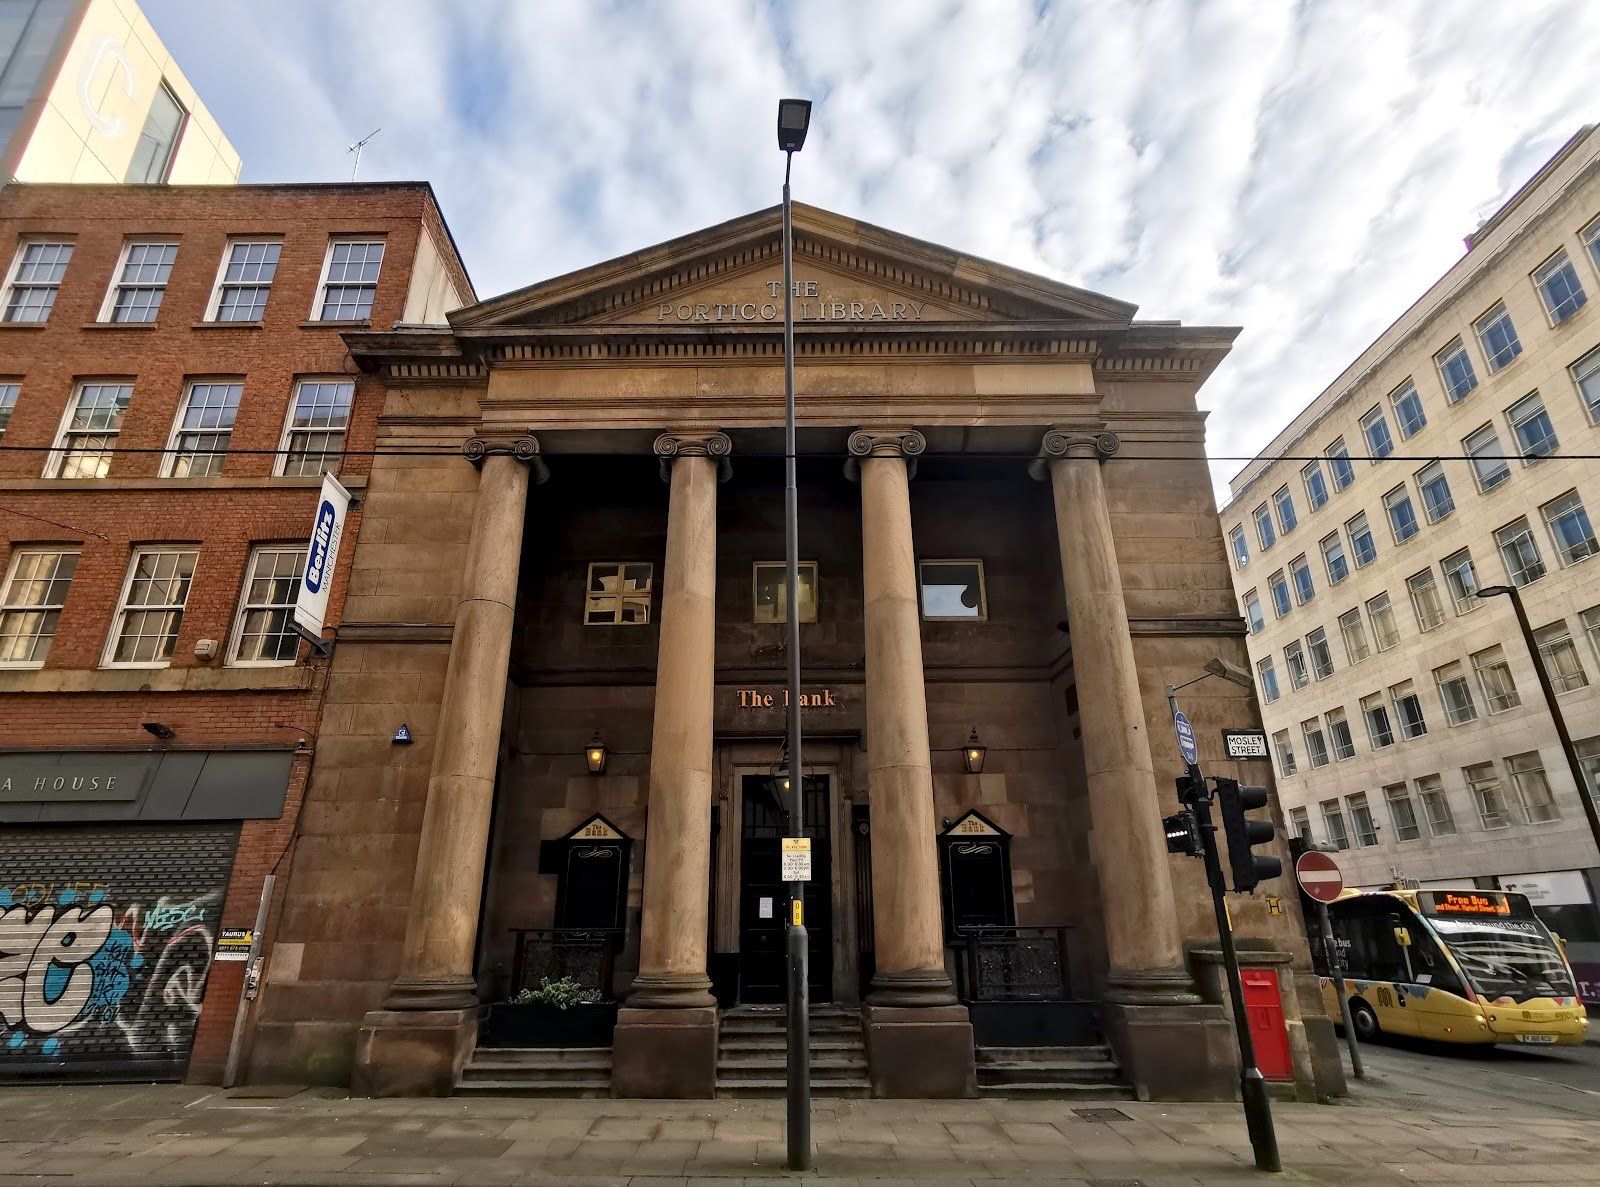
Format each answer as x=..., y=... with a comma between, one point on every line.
x=173, y=384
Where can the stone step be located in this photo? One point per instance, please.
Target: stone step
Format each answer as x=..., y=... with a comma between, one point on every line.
x=585, y=1089
x=1106, y=1091
x=775, y=1044
x=1042, y=1054
x=858, y=1089
x=819, y=1026
x=1023, y=1073
x=543, y=1056
x=756, y=1069
x=505, y=1069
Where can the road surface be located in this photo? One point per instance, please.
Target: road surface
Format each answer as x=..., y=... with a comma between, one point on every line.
x=1559, y=1082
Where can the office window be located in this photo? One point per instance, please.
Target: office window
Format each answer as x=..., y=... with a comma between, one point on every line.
x=141, y=282
x=1294, y=658
x=1269, y=680
x=313, y=438
x=1590, y=236
x=1461, y=579
x=1321, y=654
x=1385, y=631
x=1494, y=678
x=1489, y=465
x=1560, y=657
x=89, y=431
x=8, y=404
x=1362, y=544
x=1241, y=550
x=1498, y=337
x=1339, y=464
x=1533, y=789
x=1487, y=795
x=1520, y=552
x=1402, y=516
x=1333, y=558
x=1455, y=693
x=1559, y=287
x=30, y=604
x=1376, y=430
x=263, y=629
x=150, y=610
x=249, y=267
x=1300, y=824
x=1300, y=574
x=953, y=589
x=349, y=280
x=1408, y=709
x=1425, y=599
x=1252, y=613
x=36, y=273
x=152, y=156
x=1285, y=752
x=1355, y=636
x=772, y=590
x=1333, y=821
x=1361, y=820
x=203, y=430
x=1402, y=812
x=1264, y=533
x=1586, y=378
x=1283, y=502
x=1591, y=627
x=1408, y=413
x=1436, y=806
x=1435, y=489
x=1588, y=752
x=1375, y=712
x=1569, y=528
x=1530, y=423
x=1344, y=746
x=1279, y=589
x=1316, y=485
x=1316, y=744
x=618, y=594
x=1455, y=371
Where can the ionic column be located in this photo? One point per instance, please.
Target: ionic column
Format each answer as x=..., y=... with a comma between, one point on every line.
x=442, y=923
x=672, y=952
x=1143, y=943
x=907, y=930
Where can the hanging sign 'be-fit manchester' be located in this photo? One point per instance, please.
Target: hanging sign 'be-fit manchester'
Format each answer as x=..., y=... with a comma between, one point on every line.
x=809, y=305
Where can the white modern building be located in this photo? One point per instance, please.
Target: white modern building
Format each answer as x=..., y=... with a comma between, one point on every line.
x=1460, y=451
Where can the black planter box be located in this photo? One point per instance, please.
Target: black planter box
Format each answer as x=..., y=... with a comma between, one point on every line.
x=522, y=1024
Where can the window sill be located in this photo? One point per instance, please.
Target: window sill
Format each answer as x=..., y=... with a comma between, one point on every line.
x=121, y=325
x=364, y=324
x=24, y=325
x=226, y=325
x=207, y=679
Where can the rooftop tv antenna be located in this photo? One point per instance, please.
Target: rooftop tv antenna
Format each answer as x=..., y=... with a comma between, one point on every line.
x=357, y=147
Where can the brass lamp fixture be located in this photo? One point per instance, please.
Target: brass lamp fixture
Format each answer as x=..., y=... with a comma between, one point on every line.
x=973, y=753
x=594, y=754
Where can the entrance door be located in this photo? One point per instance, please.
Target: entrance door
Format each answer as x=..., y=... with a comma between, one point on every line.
x=763, y=904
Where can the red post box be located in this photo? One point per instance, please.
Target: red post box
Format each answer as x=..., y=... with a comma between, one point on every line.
x=1263, y=1006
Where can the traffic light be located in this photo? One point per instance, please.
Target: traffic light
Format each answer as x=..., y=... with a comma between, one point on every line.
x=1243, y=834
x=1191, y=790
x=1183, y=834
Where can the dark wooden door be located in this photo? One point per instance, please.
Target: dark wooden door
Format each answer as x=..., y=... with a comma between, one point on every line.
x=763, y=903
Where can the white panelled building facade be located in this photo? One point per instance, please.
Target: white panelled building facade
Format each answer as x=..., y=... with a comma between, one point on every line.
x=1460, y=451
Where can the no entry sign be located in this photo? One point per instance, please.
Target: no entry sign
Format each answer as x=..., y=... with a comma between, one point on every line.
x=1319, y=876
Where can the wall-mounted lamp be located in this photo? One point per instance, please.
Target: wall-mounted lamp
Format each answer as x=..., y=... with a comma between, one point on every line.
x=594, y=754
x=973, y=753
x=164, y=732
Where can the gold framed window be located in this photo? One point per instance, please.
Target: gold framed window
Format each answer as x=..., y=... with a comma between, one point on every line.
x=772, y=591
x=618, y=593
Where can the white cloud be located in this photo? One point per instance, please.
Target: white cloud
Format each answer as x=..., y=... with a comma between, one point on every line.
x=1303, y=169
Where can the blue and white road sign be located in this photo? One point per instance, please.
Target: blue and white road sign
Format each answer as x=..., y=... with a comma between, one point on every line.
x=1185, y=732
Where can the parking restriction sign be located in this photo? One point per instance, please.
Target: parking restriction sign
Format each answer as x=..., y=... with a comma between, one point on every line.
x=796, y=859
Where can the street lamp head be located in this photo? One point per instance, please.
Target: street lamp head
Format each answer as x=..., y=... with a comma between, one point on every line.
x=794, y=117
x=1232, y=673
x=1494, y=591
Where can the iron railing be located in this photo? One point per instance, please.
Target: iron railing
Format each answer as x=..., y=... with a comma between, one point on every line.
x=1014, y=964
x=587, y=955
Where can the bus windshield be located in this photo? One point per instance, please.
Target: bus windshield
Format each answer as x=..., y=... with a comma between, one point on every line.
x=1513, y=958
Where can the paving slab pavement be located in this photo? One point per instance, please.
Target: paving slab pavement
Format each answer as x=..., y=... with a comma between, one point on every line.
x=191, y=1136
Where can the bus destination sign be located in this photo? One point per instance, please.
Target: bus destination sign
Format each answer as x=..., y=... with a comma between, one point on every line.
x=1463, y=903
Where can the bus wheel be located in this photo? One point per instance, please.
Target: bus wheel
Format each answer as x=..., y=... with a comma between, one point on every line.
x=1366, y=1020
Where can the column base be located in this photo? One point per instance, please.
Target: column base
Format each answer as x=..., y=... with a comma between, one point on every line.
x=1152, y=987
x=413, y=1052
x=670, y=991
x=432, y=993
x=925, y=1052
x=916, y=989
x=1174, y=1052
x=669, y=1054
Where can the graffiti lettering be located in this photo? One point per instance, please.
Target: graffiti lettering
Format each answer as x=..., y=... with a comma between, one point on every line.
x=44, y=984
x=162, y=918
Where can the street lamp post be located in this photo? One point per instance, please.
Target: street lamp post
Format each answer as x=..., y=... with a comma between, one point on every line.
x=1512, y=592
x=794, y=118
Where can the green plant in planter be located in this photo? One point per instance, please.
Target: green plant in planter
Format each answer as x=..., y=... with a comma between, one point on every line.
x=562, y=993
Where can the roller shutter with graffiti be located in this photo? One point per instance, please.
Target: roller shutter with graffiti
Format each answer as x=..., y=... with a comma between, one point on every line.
x=106, y=939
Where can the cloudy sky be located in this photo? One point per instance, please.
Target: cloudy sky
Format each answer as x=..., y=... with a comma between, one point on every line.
x=1301, y=168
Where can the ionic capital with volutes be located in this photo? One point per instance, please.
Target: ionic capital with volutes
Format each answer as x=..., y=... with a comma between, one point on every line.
x=907, y=444
x=1060, y=443
x=675, y=445
x=524, y=448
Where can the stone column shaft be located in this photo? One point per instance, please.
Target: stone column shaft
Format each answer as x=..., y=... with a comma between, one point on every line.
x=1142, y=936
x=442, y=926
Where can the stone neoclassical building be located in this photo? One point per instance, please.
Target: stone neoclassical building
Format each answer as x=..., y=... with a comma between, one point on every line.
x=572, y=535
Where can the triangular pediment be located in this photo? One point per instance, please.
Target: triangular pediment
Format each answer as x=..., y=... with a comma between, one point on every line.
x=975, y=824
x=731, y=275
x=597, y=828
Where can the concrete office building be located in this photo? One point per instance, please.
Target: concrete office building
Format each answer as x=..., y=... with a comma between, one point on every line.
x=1457, y=451
x=89, y=94
x=567, y=590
